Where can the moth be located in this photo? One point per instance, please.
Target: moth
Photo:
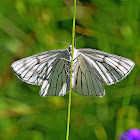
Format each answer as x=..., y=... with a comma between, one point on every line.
x=91, y=68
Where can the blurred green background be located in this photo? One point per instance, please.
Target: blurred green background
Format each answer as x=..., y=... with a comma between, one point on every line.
x=28, y=27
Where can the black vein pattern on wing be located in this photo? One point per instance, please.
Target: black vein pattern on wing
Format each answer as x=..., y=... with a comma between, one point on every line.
x=120, y=72
x=52, y=90
x=89, y=71
x=29, y=68
x=102, y=71
x=104, y=61
x=60, y=74
x=122, y=65
x=92, y=71
x=110, y=70
x=97, y=55
x=52, y=73
x=25, y=61
x=37, y=59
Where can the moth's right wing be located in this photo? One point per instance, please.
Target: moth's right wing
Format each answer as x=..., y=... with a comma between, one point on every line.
x=48, y=69
x=33, y=69
x=56, y=82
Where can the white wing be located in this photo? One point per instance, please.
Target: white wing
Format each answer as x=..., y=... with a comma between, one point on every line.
x=42, y=68
x=56, y=82
x=104, y=67
x=85, y=80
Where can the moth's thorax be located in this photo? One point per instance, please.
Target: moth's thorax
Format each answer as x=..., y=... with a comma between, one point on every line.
x=70, y=51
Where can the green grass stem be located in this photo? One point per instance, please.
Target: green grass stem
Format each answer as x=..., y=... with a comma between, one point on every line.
x=73, y=40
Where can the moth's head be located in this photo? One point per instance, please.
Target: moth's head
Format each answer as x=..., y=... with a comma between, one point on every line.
x=70, y=48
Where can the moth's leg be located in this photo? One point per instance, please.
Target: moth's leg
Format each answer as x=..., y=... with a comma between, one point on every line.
x=76, y=57
x=76, y=65
x=66, y=69
x=65, y=59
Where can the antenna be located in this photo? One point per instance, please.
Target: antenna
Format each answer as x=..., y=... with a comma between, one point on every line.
x=62, y=42
x=80, y=36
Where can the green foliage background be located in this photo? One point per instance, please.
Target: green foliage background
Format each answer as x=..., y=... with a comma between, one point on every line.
x=29, y=27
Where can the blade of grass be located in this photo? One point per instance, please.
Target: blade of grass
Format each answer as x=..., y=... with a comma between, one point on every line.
x=125, y=106
x=73, y=37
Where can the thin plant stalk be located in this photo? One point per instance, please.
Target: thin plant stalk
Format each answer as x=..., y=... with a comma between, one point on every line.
x=125, y=106
x=73, y=43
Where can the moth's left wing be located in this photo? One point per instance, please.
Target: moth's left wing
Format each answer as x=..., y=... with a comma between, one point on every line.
x=84, y=78
x=109, y=68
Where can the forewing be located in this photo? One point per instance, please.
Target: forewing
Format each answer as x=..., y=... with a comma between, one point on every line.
x=34, y=69
x=85, y=80
x=109, y=68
